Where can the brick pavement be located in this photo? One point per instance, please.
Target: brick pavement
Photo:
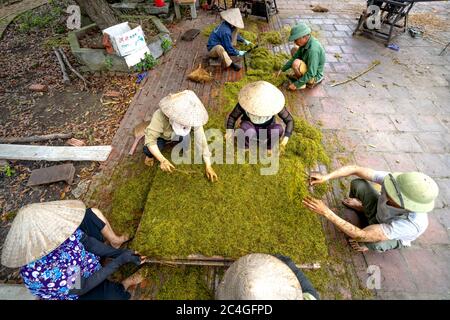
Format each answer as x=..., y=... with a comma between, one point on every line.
x=396, y=117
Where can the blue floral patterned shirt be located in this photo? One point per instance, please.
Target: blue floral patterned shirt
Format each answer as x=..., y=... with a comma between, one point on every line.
x=52, y=276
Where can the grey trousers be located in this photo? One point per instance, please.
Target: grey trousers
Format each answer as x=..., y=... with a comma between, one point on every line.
x=363, y=190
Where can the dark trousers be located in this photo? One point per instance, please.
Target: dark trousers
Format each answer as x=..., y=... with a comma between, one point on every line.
x=93, y=242
x=161, y=143
x=253, y=132
x=306, y=285
x=364, y=192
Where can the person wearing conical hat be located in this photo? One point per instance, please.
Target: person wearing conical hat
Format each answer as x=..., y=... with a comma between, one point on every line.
x=178, y=114
x=258, y=104
x=388, y=220
x=222, y=39
x=259, y=276
x=58, y=246
x=308, y=58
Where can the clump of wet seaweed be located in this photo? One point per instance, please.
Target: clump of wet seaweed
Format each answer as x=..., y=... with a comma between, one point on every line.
x=244, y=212
x=272, y=37
x=129, y=196
x=263, y=59
x=207, y=30
x=178, y=283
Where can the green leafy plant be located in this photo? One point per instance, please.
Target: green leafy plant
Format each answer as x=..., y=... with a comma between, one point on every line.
x=149, y=62
x=8, y=171
x=108, y=63
x=166, y=44
x=34, y=21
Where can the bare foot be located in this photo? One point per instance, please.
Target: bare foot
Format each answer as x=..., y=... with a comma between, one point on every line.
x=357, y=247
x=149, y=162
x=120, y=241
x=133, y=280
x=354, y=204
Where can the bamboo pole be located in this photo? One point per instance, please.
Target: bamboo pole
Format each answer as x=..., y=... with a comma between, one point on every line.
x=374, y=64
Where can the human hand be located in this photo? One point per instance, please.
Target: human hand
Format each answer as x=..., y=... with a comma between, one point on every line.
x=211, y=174
x=317, y=178
x=292, y=87
x=241, y=53
x=228, y=134
x=166, y=166
x=283, y=145
x=246, y=42
x=316, y=205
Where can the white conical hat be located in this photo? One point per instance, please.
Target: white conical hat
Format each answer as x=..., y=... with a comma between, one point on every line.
x=233, y=16
x=184, y=108
x=261, y=98
x=40, y=228
x=259, y=276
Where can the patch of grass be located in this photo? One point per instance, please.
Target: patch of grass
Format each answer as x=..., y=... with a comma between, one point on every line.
x=57, y=41
x=35, y=20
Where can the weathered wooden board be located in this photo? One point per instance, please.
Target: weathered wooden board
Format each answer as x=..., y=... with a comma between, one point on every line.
x=47, y=153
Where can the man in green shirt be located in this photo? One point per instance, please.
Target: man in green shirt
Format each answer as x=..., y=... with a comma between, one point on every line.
x=308, y=58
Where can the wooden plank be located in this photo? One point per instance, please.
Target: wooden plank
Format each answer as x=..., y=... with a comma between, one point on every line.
x=63, y=172
x=47, y=153
x=199, y=260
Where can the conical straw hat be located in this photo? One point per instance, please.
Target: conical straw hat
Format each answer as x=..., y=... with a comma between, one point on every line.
x=184, y=108
x=259, y=276
x=261, y=98
x=233, y=16
x=40, y=228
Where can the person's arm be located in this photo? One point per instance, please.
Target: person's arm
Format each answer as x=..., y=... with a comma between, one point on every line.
x=372, y=233
x=306, y=285
x=155, y=130
x=313, y=65
x=99, y=248
x=288, y=64
x=234, y=116
x=201, y=143
x=87, y=284
x=287, y=118
x=362, y=172
x=228, y=46
x=240, y=39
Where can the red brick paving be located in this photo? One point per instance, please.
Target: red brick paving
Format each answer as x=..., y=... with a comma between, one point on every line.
x=404, y=111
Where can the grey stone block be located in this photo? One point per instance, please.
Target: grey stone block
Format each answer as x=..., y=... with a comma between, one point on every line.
x=15, y=292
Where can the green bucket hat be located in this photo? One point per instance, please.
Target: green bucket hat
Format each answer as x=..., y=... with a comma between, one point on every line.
x=298, y=31
x=416, y=190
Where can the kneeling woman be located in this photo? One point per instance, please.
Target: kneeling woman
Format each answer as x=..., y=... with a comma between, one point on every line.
x=176, y=116
x=58, y=246
x=258, y=104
